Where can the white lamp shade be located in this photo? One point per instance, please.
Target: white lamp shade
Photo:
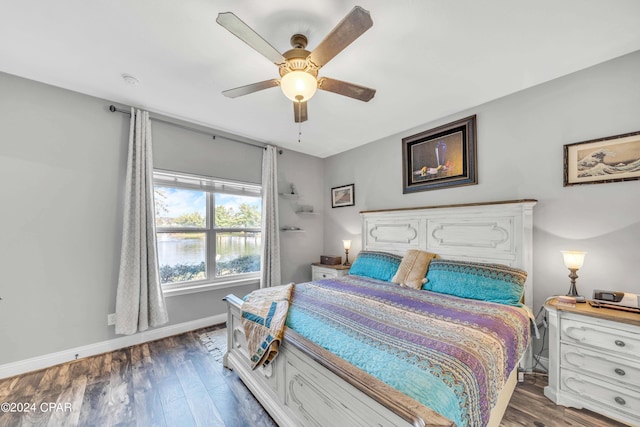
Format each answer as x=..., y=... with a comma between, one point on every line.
x=298, y=83
x=573, y=259
x=347, y=244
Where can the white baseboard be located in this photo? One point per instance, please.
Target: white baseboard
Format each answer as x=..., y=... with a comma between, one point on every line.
x=48, y=360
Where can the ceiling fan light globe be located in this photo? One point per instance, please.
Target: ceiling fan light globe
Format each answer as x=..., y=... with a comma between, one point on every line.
x=296, y=84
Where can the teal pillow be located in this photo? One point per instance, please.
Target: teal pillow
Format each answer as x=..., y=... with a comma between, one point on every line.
x=488, y=282
x=377, y=265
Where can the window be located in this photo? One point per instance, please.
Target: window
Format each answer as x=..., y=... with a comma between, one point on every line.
x=208, y=230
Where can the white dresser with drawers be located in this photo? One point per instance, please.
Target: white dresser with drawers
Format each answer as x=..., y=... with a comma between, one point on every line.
x=594, y=360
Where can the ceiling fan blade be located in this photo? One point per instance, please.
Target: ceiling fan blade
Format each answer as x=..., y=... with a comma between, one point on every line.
x=254, y=87
x=351, y=90
x=245, y=33
x=350, y=28
x=300, y=112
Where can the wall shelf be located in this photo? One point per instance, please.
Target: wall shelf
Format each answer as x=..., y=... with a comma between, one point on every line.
x=289, y=195
x=292, y=230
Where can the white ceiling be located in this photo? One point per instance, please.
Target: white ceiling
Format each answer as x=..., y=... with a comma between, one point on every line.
x=426, y=58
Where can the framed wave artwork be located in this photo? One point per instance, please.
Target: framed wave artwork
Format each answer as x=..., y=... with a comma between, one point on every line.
x=611, y=159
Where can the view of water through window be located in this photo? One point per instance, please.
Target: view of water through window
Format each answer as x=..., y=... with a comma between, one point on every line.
x=176, y=248
x=182, y=248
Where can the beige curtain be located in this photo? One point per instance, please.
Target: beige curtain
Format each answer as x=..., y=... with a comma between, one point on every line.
x=270, y=259
x=139, y=299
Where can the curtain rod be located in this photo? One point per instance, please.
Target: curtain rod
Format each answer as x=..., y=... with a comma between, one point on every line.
x=115, y=109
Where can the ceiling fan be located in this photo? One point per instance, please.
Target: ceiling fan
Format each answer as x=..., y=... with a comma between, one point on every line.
x=298, y=67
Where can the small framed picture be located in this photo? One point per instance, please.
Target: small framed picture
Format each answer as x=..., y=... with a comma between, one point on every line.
x=342, y=196
x=612, y=159
x=440, y=158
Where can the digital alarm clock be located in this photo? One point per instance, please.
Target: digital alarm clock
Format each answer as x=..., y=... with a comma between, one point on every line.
x=623, y=299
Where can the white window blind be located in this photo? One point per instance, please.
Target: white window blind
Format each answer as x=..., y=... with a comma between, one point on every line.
x=203, y=183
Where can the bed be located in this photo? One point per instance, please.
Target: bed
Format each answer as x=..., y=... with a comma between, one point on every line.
x=308, y=385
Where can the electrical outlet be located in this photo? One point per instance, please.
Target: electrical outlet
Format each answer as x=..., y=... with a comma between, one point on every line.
x=111, y=319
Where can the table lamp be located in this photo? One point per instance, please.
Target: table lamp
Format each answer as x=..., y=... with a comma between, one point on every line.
x=347, y=246
x=573, y=260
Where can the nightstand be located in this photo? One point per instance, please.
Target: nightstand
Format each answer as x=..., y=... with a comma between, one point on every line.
x=594, y=360
x=324, y=271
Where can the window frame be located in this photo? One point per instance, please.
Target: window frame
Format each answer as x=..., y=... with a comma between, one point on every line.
x=210, y=186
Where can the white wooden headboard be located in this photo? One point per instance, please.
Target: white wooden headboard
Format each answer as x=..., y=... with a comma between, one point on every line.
x=496, y=232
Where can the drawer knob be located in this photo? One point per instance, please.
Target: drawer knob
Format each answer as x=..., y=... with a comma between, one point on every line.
x=324, y=275
x=619, y=371
x=620, y=401
x=620, y=343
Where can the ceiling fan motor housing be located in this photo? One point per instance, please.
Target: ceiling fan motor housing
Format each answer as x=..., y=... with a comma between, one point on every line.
x=297, y=58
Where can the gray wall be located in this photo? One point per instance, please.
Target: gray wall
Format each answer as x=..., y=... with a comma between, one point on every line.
x=299, y=250
x=62, y=168
x=520, y=155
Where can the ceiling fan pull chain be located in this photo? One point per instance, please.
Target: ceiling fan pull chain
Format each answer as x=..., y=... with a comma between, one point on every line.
x=299, y=99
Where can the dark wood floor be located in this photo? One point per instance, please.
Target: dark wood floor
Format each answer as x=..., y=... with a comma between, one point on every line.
x=176, y=382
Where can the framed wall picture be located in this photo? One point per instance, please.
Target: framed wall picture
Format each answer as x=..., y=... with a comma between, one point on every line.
x=342, y=196
x=612, y=159
x=441, y=157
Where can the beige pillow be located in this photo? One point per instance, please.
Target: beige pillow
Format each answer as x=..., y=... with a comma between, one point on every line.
x=413, y=268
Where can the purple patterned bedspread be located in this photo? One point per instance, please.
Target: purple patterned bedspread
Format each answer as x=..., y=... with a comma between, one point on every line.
x=451, y=354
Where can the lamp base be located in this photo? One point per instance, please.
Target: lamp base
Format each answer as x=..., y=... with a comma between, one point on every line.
x=579, y=298
x=573, y=291
x=346, y=258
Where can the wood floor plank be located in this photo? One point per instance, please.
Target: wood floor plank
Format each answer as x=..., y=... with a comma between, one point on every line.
x=169, y=389
x=227, y=404
x=40, y=413
x=99, y=366
x=178, y=413
x=8, y=419
x=189, y=378
x=6, y=386
x=168, y=384
x=189, y=342
x=80, y=367
x=71, y=395
x=248, y=406
x=93, y=410
x=160, y=354
x=146, y=398
x=61, y=378
x=25, y=386
x=120, y=391
x=202, y=407
x=49, y=381
x=210, y=372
